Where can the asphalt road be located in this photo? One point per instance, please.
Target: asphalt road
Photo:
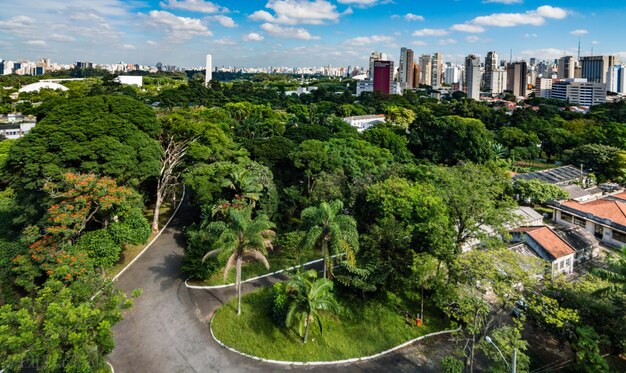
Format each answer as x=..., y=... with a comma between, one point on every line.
x=167, y=328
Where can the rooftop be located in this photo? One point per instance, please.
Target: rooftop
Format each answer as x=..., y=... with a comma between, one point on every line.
x=613, y=210
x=556, y=175
x=549, y=240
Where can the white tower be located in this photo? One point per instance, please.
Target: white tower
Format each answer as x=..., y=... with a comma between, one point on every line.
x=208, y=75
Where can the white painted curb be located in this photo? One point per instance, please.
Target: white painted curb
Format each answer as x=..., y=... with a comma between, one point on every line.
x=153, y=240
x=111, y=366
x=209, y=287
x=318, y=363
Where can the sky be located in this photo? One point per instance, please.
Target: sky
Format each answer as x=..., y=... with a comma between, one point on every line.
x=261, y=33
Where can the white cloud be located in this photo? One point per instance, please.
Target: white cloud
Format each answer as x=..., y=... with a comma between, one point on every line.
x=253, y=36
x=151, y=42
x=128, y=46
x=466, y=27
x=18, y=25
x=287, y=32
x=529, y=35
x=225, y=41
x=548, y=53
x=90, y=17
x=360, y=3
x=199, y=6
x=369, y=40
x=224, y=21
x=413, y=17
x=178, y=28
x=420, y=43
x=63, y=38
x=503, y=1
x=430, y=32
x=447, y=41
x=37, y=43
x=579, y=32
x=475, y=39
x=535, y=17
x=296, y=12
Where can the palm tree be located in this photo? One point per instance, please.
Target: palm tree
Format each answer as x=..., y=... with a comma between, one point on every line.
x=310, y=295
x=615, y=274
x=241, y=237
x=245, y=184
x=331, y=232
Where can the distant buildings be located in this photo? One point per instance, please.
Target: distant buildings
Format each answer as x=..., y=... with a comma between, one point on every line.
x=14, y=126
x=566, y=68
x=405, y=75
x=516, y=78
x=375, y=56
x=497, y=85
x=383, y=77
x=136, y=80
x=436, y=76
x=472, y=76
x=595, y=68
x=543, y=87
x=363, y=122
x=208, y=71
x=617, y=79
x=579, y=92
x=491, y=64
x=426, y=70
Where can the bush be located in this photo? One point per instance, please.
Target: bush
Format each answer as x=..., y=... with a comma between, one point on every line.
x=100, y=246
x=198, y=244
x=450, y=364
x=280, y=303
x=130, y=228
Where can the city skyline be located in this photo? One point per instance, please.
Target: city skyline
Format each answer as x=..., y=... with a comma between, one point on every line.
x=304, y=32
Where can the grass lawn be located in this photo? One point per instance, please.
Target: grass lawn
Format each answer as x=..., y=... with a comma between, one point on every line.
x=130, y=252
x=278, y=259
x=374, y=327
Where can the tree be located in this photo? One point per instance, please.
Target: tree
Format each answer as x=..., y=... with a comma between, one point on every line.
x=239, y=238
x=310, y=155
x=330, y=231
x=308, y=296
x=537, y=192
x=399, y=116
x=607, y=162
x=509, y=340
x=615, y=274
x=62, y=327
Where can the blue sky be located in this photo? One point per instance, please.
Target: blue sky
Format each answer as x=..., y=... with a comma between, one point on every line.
x=305, y=32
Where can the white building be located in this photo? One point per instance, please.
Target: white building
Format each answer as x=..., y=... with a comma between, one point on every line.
x=208, y=74
x=136, y=80
x=452, y=75
x=364, y=86
x=617, y=79
x=543, y=87
x=579, y=92
x=363, y=122
x=498, y=82
x=35, y=87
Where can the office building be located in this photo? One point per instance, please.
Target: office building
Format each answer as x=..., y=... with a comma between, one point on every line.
x=406, y=68
x=543, y=87
x=491, y=64
x=383, y=77
x=472, y=76
x=425, y=69
x=566, y=68
x=516, y=75
x=208, y=73
x=452, y=75
x=617, y=79
x=375, y=56
x=579, y=92
x=595, y=68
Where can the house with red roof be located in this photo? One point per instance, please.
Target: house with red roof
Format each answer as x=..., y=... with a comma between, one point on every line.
x=545, y=243
x=604, y=217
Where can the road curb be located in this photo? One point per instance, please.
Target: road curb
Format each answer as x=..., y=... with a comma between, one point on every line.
x=154, y=239
x=209, y=287
x=321, y=363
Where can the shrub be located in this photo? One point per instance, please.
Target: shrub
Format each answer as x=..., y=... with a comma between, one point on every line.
x=130, y=228
x=280, y=303
x=100, y=246
x=450, y=364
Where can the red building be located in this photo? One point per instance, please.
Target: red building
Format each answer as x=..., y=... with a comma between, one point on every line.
x=383, y=76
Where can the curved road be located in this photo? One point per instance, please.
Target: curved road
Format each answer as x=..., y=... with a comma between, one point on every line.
x=167, y=329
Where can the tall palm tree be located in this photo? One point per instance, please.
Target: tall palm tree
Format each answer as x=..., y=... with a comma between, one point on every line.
x=331, y=232
x=310, y=295
x=241, y=237
x=615, y=274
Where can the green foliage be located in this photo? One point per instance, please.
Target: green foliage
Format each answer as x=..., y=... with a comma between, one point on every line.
x=537, y=192
x=61, y=328
x=100, y=246
x=606, y=162
x=507, y=338
x=130, y=227
x=450, y=364
x=280, y=307
x=587, y=347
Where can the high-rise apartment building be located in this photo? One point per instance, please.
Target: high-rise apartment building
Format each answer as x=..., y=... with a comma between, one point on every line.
x=516, y=75
x=416, y=75
x=617, y=79
x=497, y=85
x=543, y=87
x=208, y=74
x=406, y=68
x=566, y=67
x=375, y=56
x=491, y=63
x=452, y=75
x=425, y=69
x=595, y=68
x=472, y=76
x=436, y=77
x=383, y=76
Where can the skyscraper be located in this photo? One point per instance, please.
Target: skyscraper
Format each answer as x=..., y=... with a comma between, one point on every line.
x=617, y=79
x=472, y=76
x=406, y=68
x=208, y=75
x=383, y=76
x=516, y=78
x=595, y=68
x=425, y=69
x=491, y=63
x=416, y=75
x=566, y=67
x=437, y=70
x=375, y=56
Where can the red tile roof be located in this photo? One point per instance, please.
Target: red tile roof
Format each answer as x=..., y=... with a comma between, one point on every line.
x=550, y=241
x=602, y=208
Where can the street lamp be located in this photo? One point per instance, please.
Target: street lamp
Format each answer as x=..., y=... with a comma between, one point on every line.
x=512, y=368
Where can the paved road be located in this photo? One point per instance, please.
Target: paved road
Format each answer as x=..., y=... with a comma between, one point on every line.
x=167, y=329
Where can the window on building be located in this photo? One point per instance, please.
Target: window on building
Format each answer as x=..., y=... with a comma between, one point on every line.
x=561, y=264
x=621, y=237
x=566, y=217
x=567, y=262
x=580, y=222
